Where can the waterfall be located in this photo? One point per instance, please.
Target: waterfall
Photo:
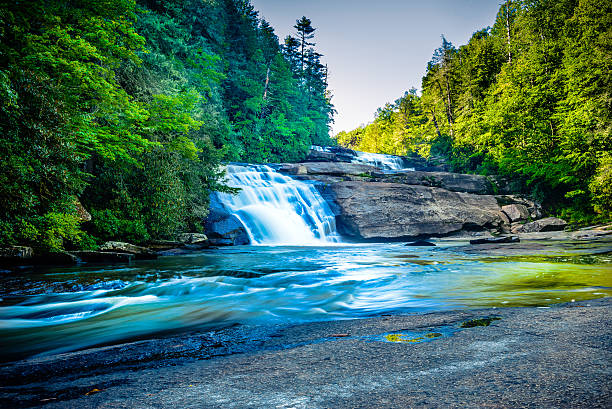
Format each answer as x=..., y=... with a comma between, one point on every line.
x=381, y=161
x=276, y=209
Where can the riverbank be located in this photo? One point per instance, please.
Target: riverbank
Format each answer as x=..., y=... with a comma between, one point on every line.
x=525, y=357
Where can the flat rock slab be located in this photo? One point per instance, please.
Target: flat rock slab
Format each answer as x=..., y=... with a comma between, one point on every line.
x=328, y=168
x=455, y=182
x=530, y=357
x=542, y=245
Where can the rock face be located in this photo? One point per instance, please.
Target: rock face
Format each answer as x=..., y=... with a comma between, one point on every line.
x=543, y=225
x=374, y=210
x=328, y=168
x=371, y=204
x=345, y=155
x=222, y=227
x=330, y=172
x=331, y=154
x=455, y=182
x=59, y=258
x=140, y=253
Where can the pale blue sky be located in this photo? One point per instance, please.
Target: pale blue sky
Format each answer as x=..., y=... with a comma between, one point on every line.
x=376, y=50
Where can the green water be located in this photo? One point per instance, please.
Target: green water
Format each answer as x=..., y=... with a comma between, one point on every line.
x=63, y=309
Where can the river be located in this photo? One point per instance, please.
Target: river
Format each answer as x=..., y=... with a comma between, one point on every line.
x=63, y=309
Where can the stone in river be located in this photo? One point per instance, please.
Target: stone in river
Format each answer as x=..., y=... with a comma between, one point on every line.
x=140, y=253
x=497, y=240
x=421, y=243
x=516, y=212
x=547, y=224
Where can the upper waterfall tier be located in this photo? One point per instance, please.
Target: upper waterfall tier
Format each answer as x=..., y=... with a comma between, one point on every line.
x=381, y=161
x=276, y=209
x=384, y=162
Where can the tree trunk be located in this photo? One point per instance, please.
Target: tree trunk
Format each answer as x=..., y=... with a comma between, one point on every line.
x=303, y=45
x=433, y=115
x=508, y=31
x=449, y=106
x=265, y=94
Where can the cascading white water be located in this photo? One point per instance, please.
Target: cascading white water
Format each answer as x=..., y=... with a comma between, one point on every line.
x=380, y=160
x=276, y=209
x=384, y=162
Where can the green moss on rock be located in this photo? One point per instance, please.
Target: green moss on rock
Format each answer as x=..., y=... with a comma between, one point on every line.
x=480, y=322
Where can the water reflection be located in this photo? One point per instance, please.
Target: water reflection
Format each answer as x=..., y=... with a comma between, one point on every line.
x=69, y=308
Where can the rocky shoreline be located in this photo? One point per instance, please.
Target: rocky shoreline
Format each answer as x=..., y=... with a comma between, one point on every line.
x=424, y=200
x=369, y=204
x=556, y=356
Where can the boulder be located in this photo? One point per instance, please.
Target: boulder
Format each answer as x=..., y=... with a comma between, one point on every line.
x=222, y=227
x=162, y=245
x=496, y=240
x=543, y=225
x=375, y=210
x=294, y=169
x=175, y=252
x=516, y=212
x=534, y=208
x=140, y=253
x=193, y=238
x=81, y=212
x=506, y=222
x=15, y=254
x=421, y=243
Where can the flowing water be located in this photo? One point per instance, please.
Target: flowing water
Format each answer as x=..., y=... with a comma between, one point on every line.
x=276, y=209
x=63, y=309
x=380, y=160
x=276, y=281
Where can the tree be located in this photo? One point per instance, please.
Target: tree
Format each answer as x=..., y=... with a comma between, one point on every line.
x=528, y=98
x=305, y=32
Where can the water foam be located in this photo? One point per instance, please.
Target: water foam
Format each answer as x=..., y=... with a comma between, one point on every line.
x=278, y=210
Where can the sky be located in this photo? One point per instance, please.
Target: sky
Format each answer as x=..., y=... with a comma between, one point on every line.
x=377, y=49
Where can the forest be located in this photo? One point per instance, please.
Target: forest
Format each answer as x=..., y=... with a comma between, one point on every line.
x=529, y=99
x=126, y=108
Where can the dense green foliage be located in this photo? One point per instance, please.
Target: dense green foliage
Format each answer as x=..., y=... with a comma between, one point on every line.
x=529, y=97
x=130, y=106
